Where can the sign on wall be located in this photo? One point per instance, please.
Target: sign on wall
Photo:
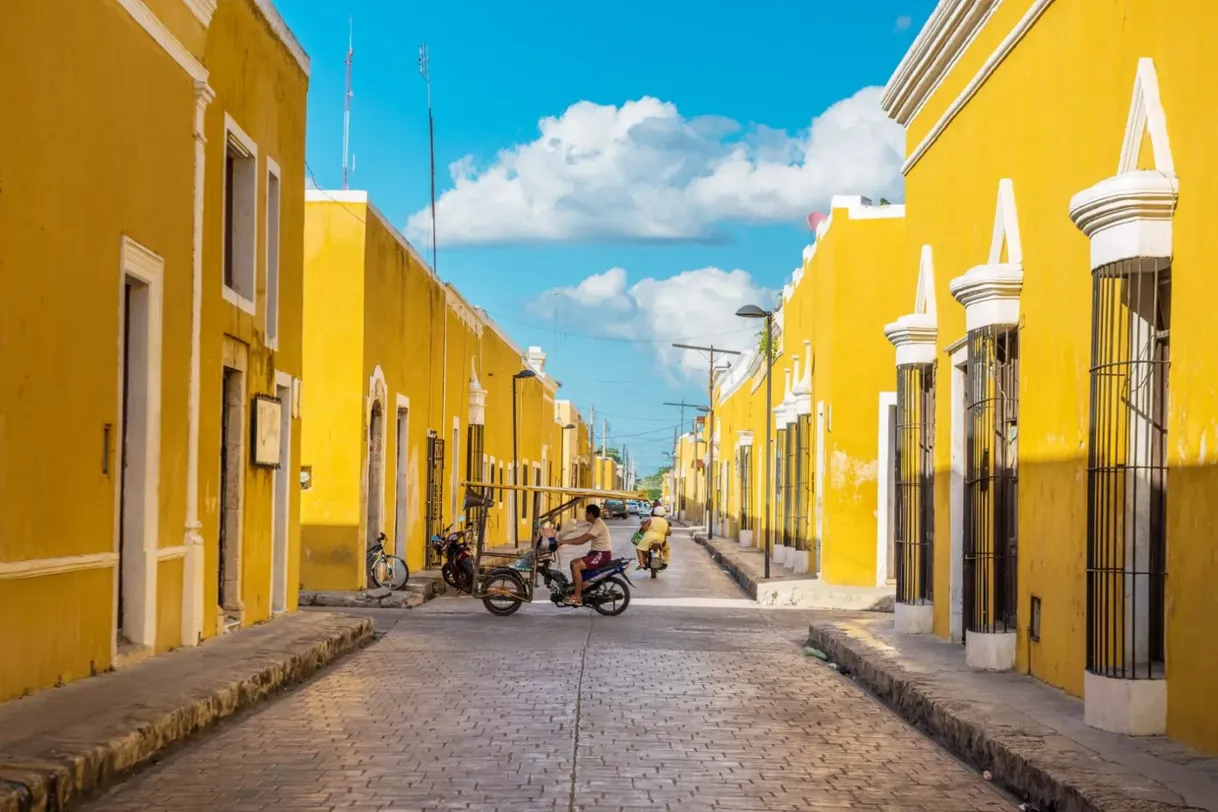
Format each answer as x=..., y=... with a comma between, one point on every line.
x=265, y=430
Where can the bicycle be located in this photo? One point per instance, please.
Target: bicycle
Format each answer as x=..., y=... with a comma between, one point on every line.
x=385, y=570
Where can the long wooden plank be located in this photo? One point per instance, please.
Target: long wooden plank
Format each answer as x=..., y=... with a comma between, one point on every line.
x=589, y=492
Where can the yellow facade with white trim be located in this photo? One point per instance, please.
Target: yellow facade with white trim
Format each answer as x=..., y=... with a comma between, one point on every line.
x=70, y=519
x=391, y=356
x=1040, y=100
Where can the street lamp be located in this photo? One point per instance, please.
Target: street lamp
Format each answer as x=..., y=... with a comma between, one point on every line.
x=521, y=375
x=755, y=312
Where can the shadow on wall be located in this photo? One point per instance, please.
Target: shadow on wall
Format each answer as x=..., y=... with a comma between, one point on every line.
x=1052, y=565
x=331, y=556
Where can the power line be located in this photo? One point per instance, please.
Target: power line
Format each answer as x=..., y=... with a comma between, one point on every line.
x=614, y=339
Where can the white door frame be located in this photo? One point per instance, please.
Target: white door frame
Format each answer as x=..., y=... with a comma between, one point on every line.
x=142, y=504
x=884, y=486
x=959, y=361
x=281, y=510
x=401, y=471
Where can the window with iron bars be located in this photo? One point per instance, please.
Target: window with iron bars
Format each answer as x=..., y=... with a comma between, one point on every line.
x=803, y=481
x=746, y=489
x=914, y=523
x=1127, y=469
x=780, y=440
x=991, y=481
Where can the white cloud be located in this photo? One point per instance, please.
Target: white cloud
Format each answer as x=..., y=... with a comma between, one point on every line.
x=698, y=306
x=903, y=22
x=643, y=171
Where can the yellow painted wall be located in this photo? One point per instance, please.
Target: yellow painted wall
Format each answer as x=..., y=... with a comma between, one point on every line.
x=260, y=85
x=58, y=390
x=57, y=393
x=332, y=395
x=1077, y=65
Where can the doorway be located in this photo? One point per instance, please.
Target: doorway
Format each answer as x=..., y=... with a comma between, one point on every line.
x=886, y=563
x=376, y=475
x=138, y=446
x=232, y=469
x=401, y=461
x=959, y=371
x=282, y=480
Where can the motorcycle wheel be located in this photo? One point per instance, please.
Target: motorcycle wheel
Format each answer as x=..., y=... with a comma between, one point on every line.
x=505, y=592
x=450, y=577
x=612, y=597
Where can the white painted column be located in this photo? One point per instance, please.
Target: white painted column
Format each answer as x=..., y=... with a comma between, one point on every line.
x=193, y=565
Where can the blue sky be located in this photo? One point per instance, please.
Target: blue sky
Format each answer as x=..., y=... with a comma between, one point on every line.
x=627, y=174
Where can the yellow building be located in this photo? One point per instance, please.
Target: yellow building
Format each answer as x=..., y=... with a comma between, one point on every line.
x=113, y=552
x=833, y=415
x=401, y=371
x=576, y=446
x=1070, y=500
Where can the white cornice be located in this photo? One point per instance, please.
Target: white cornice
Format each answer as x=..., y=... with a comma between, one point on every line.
x=202, y=9
x=990, y=295
x=914, y=336
x=1130, y=214
x=996, y=58
x=952, y=27
x=284, y=33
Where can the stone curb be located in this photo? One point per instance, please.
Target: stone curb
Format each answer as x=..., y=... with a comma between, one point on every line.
x=747, y=584
x=66, y=778
x=1024, y=764
x=416, y=593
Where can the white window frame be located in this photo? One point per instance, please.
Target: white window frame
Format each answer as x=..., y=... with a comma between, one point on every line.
x=234, y=135
x=272, y=245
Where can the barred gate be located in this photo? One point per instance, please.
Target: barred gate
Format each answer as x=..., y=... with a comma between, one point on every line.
x=915, y=499
x=435, y=493
x=1127, y=469
x=991, y=484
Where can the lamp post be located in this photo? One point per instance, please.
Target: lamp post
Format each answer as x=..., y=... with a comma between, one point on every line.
x=521, y=375
x=755, y=312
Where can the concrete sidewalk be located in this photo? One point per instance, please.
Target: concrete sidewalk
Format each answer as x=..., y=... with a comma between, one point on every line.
x=746, y=565
x=1030, y=736
x=60, y=745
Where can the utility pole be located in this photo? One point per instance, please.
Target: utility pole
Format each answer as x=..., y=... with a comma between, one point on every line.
x=592, y=442
x=710, y=437
x=425, y=72
x=347, y=98
x=680, y=501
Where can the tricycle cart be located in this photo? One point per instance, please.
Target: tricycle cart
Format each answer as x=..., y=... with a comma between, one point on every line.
x=505, y=578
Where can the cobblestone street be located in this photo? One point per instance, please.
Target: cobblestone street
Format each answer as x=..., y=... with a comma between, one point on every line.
x=691, y=700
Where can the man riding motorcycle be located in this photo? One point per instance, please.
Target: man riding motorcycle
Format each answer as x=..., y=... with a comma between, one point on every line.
x=655, y=531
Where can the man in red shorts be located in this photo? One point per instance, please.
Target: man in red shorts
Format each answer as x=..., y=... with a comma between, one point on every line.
x=598, y=556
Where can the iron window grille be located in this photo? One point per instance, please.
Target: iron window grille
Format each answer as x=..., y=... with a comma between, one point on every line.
x=475, y=462
x=780, y=439
x=790, y=475
x=1127, y=469
x=803, y=485
x=435, y=492
x=914, y=523
x=746, y=489
x=991, y=481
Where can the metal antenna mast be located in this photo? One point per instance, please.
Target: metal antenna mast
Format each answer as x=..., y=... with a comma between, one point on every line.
x=425, y=72
x=347, y=99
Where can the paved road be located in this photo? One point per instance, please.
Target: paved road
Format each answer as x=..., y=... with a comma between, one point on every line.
x=692, y=700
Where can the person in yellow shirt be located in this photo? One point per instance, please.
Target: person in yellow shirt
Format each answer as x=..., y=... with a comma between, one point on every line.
x=655, y=532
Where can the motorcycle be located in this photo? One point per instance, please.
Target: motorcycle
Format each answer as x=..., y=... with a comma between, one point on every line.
x=606, y=589
x=457, y=568
x=657, y=554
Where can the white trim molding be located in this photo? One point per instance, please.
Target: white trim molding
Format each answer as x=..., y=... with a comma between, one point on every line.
x=233, y=133
x=477, y=396
x=990, y=292
x=802, y=390
x=39, y=567
x=284, y=33
x=156, y=29
x=1130, y=214
x=170, y=553
x=885, y=494
x=202, y=9
x=271, y=315
x=948, y=33
x=995, y=59
x=916, y=334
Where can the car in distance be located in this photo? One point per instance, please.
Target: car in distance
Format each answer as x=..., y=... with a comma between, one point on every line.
x=615, y=509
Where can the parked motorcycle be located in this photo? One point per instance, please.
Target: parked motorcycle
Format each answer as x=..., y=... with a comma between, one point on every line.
x=606, y=590
x=457, y=568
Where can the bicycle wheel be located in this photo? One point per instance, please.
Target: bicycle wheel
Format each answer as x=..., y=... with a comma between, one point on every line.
x=390, y=572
